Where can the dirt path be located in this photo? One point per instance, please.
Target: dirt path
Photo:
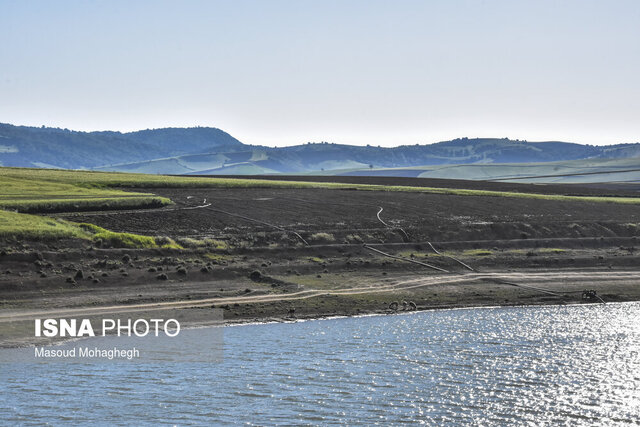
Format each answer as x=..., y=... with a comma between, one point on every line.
x=522, y=277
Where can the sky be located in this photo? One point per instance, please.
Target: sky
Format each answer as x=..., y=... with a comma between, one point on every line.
x=282, y=73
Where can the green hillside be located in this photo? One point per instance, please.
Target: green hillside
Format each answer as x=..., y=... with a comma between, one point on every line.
x=210, y=151
x=25, y=146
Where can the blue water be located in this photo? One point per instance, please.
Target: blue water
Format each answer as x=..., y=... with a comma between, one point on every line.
x=578, y=365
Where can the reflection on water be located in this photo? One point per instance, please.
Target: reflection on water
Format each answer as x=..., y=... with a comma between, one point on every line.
x=525, y=365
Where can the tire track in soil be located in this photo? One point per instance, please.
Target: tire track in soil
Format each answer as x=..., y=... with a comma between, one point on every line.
x=311, y=293
x=408, y=240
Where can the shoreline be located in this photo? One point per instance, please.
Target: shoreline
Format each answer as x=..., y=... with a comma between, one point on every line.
x=464, y=301
x=250, y=322
x=271, y=321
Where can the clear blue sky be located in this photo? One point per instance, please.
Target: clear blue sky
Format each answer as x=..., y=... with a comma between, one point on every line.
x=287, y=72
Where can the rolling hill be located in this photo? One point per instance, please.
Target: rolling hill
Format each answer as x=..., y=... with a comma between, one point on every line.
x=211, y=151
x=62, y=148
x=567, y=172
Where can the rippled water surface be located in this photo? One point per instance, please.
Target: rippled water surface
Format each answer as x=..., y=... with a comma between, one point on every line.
x=523, y=365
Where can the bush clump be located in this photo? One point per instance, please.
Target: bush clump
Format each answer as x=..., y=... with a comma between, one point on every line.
x=353, y=238
x=127, y=240
x=324, y=237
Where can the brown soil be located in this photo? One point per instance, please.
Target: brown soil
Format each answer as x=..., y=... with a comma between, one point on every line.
x=553, y=250
x=239, y=215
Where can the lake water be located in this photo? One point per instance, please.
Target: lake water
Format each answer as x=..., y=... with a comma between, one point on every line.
x=518, y=365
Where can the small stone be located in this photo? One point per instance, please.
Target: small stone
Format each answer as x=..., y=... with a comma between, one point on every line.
x=162, y=277
x=126, y=258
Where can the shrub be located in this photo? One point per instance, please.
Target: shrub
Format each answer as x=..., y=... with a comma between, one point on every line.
x=118, y=240
x=325, y=237
x=353, y=238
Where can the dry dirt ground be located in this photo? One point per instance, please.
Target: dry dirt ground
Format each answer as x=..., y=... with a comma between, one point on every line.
x=284, y=249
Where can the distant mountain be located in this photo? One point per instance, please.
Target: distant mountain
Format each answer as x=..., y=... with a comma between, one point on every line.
x=212, y=151
x=63, y=148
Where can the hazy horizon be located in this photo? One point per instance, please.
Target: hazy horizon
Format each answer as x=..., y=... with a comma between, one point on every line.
x=284, y=73
x=305, y=142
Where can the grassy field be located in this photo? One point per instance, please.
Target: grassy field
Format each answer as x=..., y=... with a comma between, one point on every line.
x=29, y=192
x=25, y=191
x=23, y=226
x=20, y=226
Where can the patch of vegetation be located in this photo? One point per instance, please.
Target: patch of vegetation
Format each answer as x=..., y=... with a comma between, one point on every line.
x=23, y=226
x=217, y=244
x=33, y=194
x=72, y=204
x=167, y=242
x=325, y=237
x=316, y=259
x=188, y=242
x=353, y=238
x=218, y=257
x=34, y=227
x=477, y=252
x=27, y=191
x=551, y=250
x=126, y=240
x=516, y=251
x=414, y=254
